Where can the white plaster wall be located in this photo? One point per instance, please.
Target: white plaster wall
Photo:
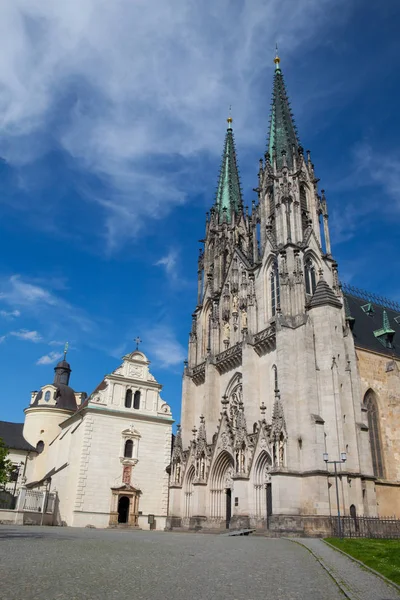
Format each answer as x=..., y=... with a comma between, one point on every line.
x=101, y=467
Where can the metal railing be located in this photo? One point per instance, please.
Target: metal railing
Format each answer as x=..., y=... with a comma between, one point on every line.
x=366, y=527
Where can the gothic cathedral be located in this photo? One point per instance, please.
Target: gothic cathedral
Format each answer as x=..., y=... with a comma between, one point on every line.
x=271, y=389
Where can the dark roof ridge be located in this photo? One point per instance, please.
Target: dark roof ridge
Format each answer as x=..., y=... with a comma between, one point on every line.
x=351, y=290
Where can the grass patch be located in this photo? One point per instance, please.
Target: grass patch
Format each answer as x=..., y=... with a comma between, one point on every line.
x=381, y=555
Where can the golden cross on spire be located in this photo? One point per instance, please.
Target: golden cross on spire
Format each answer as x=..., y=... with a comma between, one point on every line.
x=229, y=119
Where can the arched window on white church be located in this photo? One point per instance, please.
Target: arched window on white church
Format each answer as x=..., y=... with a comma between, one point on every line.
x=47, y=396
x=128, y=450
x=128, y=399
x=136, y=400
x=309, y=276
x=275, y=297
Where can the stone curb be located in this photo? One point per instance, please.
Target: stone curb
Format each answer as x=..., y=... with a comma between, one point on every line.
x=340, y=585
x=385, y=579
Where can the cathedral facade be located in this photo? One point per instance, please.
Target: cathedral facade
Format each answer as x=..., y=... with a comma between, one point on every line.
x=272, y=388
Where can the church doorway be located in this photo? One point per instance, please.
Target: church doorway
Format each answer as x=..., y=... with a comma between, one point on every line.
x=123, y=509
x=228, y=506
x=221, y=485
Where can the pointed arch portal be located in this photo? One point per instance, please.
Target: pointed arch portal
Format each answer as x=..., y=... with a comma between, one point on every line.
x=189, y=491
x=221, y=487
x=262, y=486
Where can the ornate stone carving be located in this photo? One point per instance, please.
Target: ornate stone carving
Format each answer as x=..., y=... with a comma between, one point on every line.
x=136, y=371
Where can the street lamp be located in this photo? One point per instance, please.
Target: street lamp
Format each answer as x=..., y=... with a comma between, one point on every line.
x=343, y=458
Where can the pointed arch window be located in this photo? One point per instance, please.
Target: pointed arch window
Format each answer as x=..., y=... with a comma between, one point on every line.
x=275, y=288
x=374, y=433
x=303, y=207
x=128, y=399
x=136, y=400
x=128, y=450
x=309, y=276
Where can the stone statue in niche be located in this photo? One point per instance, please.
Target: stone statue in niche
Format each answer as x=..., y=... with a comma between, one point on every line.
x=244, y=319
x=178, y=472
x=235, y=303
x=281, y=452
x=227, y=332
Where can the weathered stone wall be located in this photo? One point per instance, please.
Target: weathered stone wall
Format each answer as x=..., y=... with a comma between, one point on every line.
x=381, y=374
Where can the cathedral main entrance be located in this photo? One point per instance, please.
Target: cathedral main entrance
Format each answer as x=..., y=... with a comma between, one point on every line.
x=221, y=490
x=123, y=509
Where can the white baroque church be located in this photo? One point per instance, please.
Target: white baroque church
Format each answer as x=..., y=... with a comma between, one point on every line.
x=105, y=456
x=272, y=384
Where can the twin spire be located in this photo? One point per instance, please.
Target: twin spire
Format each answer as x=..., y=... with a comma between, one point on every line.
x=229, y=193
x=283, y=138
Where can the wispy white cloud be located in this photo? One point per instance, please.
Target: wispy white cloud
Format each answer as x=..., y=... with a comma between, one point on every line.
x=384, y=172
x=12, y=314
x=43, y=304
x=2, y=338
x=169, y=262
x=49, y=358
x=140, y=82
x=29, y=336
x=164, y=347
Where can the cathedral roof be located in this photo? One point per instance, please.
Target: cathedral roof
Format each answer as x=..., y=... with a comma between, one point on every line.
x=282, y=131
x=11, y=433
x=370, y=313
x=229, y=194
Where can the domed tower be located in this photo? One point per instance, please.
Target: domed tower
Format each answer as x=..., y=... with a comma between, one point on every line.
x=49, y=407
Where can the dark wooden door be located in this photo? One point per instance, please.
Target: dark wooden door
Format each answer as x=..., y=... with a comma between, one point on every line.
x=228, y=506
x=268, y=491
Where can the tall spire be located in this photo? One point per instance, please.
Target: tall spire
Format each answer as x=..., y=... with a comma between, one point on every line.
x=282, y=132
x=229, y=195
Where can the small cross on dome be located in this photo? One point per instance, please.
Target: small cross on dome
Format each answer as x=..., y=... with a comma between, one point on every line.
x=138, y=341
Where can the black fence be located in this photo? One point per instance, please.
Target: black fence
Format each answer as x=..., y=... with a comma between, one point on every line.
x=7, y=498
x=366, y=527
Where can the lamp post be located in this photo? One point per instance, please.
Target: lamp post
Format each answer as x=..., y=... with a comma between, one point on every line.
x=343, y=458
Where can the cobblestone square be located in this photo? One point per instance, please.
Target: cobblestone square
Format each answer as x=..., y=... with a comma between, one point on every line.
x=81, y=564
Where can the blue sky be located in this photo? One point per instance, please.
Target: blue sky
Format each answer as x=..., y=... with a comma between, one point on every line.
x=112, y=125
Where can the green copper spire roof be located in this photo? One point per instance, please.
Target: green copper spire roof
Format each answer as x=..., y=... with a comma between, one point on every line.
x=229, y=195
x=386, y=334
x=282, y=132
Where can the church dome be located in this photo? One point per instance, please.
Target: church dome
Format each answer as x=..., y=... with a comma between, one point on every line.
x=63, y=364
x=65, y=397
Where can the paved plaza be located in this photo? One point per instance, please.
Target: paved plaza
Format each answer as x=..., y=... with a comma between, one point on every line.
x=81, y=564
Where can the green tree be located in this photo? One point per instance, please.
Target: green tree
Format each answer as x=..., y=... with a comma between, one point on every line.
x=6, y=465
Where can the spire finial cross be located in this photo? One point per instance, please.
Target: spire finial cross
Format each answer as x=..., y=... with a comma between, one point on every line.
x=277, y=60
x=138, y=341
x=65, y=350
x=229, y=119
